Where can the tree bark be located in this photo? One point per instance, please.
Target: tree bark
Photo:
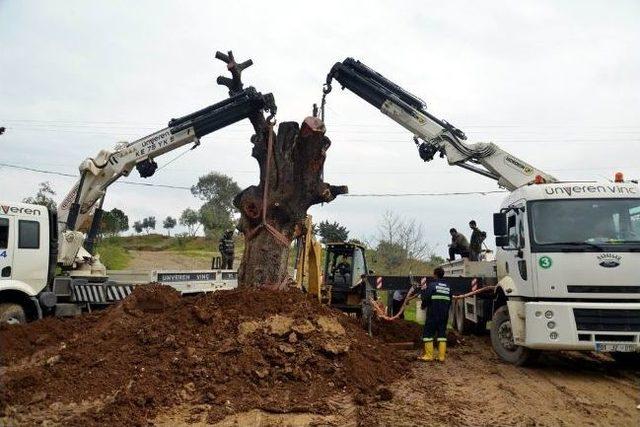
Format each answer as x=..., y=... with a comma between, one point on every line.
x=293, y=176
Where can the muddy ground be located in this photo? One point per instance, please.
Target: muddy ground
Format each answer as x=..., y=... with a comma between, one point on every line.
x=215, y=361
x=472, y=388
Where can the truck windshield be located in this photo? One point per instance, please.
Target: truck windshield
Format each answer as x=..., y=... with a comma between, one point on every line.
x=598, y=224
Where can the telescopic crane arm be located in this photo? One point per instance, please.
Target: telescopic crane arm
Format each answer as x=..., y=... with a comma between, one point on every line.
x=81, y=208
x=431, y=134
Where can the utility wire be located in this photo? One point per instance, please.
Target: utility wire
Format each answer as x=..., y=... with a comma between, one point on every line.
x=458, y=193
x=144, y=184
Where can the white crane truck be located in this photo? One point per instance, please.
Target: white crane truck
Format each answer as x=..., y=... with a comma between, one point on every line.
x=47, y=265
x=567, y=267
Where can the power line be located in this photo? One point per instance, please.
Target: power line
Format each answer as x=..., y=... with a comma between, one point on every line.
x=143, y=184
x=454, y=193
x=458, y=193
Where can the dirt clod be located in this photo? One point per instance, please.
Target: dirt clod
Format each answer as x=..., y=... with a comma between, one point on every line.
x=252, y=348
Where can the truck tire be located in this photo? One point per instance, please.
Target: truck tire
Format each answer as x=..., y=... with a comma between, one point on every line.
x=480, y=328
x=502, y=340
x=461, y=324
x=627, y=359
x=12, y=314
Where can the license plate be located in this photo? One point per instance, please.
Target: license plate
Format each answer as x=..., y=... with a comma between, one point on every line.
x=607, y=347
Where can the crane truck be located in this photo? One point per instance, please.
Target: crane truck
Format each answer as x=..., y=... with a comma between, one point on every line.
x=47, y=260
x=567, y=267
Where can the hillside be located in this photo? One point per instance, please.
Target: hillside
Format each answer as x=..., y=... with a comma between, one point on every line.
x=153, y=251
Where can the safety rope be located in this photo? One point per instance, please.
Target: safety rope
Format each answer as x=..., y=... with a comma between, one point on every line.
x=280, y=237
x=381, y=311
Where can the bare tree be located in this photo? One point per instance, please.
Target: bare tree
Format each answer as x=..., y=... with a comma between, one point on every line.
x=405, y=233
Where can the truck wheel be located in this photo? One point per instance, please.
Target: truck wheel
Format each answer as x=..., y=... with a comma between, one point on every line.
x=462, y=325
x=502, y=340
x=12, y=314
x=627, y=359
x=480, y=328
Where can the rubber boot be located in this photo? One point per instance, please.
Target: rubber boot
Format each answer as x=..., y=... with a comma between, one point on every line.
x=428, y=351
x=442, y=350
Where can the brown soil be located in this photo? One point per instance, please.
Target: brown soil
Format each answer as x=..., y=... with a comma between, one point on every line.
x=234, y=351
x=473, y=388
x=397, y=331
x=262, y=358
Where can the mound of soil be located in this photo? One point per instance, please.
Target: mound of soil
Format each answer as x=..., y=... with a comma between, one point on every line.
x=398, y=331
x=278, y=351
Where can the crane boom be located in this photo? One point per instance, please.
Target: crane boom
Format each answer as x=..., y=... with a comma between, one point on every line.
x=431, y=134
x=81, y=209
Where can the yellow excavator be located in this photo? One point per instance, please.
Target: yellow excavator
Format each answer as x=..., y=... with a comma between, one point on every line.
x=334, y=275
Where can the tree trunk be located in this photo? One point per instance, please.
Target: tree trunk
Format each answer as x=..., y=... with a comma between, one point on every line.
x=293, y=176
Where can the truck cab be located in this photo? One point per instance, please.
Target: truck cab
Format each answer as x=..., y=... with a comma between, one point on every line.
x=28, y=244
x=568, y=269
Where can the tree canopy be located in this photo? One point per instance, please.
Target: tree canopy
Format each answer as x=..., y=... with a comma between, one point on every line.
x=168, y=223
x=43, y=197
x=332, y=232
x=217, y=191
x=114, y=222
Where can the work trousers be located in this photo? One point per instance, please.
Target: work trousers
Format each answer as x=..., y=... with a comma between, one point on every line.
x=396, y=306
x=227, y=262
x=436, y=324
x=464, y=253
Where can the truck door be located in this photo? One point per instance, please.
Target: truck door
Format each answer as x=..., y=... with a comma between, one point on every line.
x=359, y=265
x=519, y=253
x=6, y=249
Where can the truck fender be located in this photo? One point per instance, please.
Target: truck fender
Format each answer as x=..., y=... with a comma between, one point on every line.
x=17, y=285
x=19, y=293
x=517, y=317
x=506, y=286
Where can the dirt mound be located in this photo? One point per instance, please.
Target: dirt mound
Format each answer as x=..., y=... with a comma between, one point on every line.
x=399, y=330
x=232, y=350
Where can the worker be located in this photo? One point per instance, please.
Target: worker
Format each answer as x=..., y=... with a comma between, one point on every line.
x=227, y=249
x=343, y=267
x=477, y=238
x=459, y=245
x=436, y=298
x=397, y=301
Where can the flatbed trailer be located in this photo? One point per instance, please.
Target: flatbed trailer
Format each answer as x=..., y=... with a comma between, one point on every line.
x=75, y=295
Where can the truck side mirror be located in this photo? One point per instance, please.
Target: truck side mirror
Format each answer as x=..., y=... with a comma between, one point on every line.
x=502, y=241
x=499, y=225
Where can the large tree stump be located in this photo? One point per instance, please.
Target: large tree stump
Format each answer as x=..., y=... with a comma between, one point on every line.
x=294, y=183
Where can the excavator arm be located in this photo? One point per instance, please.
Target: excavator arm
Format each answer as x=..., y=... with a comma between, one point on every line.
x=81, y=208
x=431, y=134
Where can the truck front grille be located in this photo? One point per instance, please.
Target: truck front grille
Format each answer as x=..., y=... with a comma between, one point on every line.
x=593, y=319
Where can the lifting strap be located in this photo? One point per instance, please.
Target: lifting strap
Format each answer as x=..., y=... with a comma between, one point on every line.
x=280, y=237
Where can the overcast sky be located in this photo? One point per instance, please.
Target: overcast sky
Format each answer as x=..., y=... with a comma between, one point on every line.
x=553, y=82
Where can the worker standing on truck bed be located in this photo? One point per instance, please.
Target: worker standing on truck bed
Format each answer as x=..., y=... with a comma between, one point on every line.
x=436, y=298
x=477, y=237
x=459, y=245
x=227, y=249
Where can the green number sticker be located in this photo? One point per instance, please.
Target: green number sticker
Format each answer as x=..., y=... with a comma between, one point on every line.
x=545, y=262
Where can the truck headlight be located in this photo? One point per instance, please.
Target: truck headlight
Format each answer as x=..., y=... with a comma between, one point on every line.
x=548, y=314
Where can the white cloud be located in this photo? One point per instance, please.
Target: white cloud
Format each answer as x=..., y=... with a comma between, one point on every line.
x=553, y=82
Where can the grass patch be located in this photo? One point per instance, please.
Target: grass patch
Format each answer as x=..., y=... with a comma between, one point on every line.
x=113, y=255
